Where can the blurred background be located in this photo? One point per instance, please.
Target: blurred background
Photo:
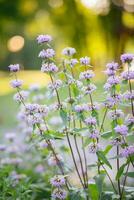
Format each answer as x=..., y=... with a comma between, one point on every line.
x=101, y=29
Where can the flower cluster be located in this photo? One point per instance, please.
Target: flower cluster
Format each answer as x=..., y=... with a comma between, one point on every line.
x=67, y=109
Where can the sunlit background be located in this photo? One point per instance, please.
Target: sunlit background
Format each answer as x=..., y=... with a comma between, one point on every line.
x=101, y=29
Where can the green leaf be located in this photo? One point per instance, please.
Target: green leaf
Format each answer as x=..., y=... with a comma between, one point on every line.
x=103, y=158
x=80, y=129
x=87, y=142
x=120, y=171
x=63, y=115
x=99, y=179
x=107, y=149
x=75, y=195
x=92, y=165
x=125, y=81
x=75, y=90
x=93, y=191
x=107, y=134
x=130, y=174
x=52, y=134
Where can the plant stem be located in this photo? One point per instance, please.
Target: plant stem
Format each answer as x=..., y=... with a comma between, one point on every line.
x=58, y=98
x=125, y=180
x=118, y=167
x=82, y=169
x=110, y=179
x=103, y=120
x=85, y=159
x=73, y=157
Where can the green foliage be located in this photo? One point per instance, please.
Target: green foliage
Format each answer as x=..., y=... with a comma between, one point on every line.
x=103, y=158
x=120, y=171
x=63, y=115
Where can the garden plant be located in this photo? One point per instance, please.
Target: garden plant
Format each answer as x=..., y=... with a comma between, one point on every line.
x=86, y=147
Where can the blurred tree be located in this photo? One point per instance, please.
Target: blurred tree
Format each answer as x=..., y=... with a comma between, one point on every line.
x=103, y=35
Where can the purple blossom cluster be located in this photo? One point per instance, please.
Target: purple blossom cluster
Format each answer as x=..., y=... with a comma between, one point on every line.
x=121, y=129
x=14, y=67
x=57, y=181
x=48, y=53
x=44, y=39
x=49, y=67
x=86, y=74
x=128, y=151
x=16, y=83
x=68, y=51
x=127, y=57
x=59, y=194
x=85, y=61
x=127, y=75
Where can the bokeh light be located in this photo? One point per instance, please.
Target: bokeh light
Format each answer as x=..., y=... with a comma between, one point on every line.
x=15, y=43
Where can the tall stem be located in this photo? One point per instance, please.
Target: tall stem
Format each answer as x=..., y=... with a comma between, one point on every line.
x=82, y=169
x=110, y=179
x=73, y=157
x=125, y=180
x=85, y=159
x=118, y=167
x=103, y=120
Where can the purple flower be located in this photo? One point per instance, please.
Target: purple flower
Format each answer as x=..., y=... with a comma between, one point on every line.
x=48, y=53
x=58, y=181
x=112, y=101
x=113, y=80
x=127, y=151
x=16, y=83
x=52, y=161
x=55, y=85
x=94, y=134
x=110, y=72
x=90, y=121
x=117, y=142
x=39, y=169
x=14, y=68
x=59, y=194
x=43, y=144
x=112, y=66
x=2, y=147
x=44, y=39
x=43, y=110
x=10, y=136
x=30, y=108
x=93, y=148
x=121, y=129
x=129, y=120
x=78, y=108
x=87, y=74
x=85, y=61
x=89, y=89
x=115, y=115
x=49, y=67
x=128, y=95
x=91, y=107
x=68, y=51
x=127, y=75
x=127, y=57
x=107, y=86
x=73, y=62
x=21, y=96
x=35, y=119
